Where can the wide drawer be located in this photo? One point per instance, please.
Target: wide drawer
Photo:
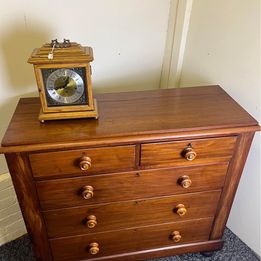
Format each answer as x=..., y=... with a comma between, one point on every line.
x=130, y=240
x=181, y=153
x=69, y=192
x=73, y=162
x=130, y=214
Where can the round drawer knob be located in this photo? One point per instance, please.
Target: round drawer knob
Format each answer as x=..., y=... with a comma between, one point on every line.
x=189, y=153
x=185, y=181
x=181, y=210
x=94, y=248
x=175, y=236
x=87, y=192
x=91, y=221
x=85, y=163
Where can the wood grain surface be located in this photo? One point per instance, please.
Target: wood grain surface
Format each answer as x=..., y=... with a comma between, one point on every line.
x=66, y=163
x=231, y=184
x=134, y=113
x=171, y=153
x=130, y=214
x=131, y=240
x=60, y=193
x=27, y=197
x=210, y=245
x=128, y=175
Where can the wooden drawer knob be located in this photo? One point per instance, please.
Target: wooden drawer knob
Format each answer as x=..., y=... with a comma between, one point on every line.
x=189, y=153
x=181, y=210
x=91, y=221
x=85, y=163
x=87, y=192
x=175, y=236
x=185, y=181
x=94, y=248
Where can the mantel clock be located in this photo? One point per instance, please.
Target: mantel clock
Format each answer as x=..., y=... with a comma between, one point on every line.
x=63, y=76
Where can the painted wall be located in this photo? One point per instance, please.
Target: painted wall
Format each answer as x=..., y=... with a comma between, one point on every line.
x=128, y=38
x=223, y=47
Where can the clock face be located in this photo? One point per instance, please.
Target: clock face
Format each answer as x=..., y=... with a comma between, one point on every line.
x=65, y=86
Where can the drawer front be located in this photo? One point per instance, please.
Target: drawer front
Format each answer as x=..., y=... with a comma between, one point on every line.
x=116, y=216
x=181, y=153
x=50, y=164
x=130, y=240
x=69, y=192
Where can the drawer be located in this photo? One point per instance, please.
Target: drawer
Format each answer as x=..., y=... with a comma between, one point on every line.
x=82, y=162
x=130, y=240
x=130, y=214
x=189, y=152
x=69, y=192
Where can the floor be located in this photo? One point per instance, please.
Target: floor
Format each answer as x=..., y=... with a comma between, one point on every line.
x=234, y=250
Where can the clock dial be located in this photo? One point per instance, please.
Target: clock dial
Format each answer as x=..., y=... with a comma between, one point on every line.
x=65, y=86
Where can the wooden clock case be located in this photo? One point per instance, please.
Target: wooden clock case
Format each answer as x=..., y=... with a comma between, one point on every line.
x=69, y=57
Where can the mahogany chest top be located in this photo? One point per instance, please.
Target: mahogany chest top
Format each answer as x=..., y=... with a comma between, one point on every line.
x=172, y=112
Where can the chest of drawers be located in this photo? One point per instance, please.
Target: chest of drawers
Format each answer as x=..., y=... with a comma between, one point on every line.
x=155, y=175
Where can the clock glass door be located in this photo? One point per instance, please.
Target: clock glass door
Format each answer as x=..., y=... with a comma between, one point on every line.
x=65, y=86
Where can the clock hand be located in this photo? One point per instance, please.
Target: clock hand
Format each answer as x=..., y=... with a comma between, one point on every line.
x=67, y=80
x=63, y=84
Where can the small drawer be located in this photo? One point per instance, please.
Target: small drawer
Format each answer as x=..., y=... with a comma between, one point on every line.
x=82, y=162
x=189, y=152
x=70, y=192
x=130, y=214
x=130, y=240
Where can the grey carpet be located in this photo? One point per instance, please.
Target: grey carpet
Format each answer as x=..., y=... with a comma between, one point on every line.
x=234, y=250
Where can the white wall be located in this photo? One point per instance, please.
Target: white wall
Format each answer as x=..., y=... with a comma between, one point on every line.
x=128, y=38
x=223, y=47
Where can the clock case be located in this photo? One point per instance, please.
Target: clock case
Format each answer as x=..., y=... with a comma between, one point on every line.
x=72, y=56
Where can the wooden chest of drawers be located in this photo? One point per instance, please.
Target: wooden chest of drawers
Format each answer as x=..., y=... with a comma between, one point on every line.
x=154, y=176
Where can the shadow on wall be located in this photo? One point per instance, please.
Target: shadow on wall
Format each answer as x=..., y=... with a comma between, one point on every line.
x=17, y=45
x=196, y=79
x=6, y=111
